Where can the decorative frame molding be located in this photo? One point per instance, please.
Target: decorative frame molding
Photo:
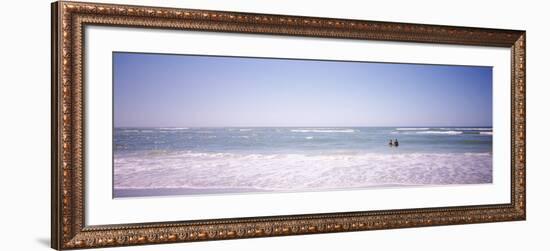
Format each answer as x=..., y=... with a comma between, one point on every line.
x=67, y=178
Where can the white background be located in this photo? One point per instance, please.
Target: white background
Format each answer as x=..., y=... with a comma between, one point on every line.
x=25, y=144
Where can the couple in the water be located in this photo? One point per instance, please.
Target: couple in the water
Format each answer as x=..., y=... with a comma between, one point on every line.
x=394, y=143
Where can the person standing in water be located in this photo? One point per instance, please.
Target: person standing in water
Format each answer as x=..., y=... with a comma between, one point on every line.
x=395, y=143
x=391, y=143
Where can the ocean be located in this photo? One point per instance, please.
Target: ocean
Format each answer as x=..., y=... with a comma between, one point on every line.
x=195, y=161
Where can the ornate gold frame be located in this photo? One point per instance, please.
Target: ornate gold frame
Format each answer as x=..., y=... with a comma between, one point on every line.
x=68, y=226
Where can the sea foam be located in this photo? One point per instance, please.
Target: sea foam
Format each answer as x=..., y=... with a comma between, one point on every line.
x=412, y=129
x=296, y=172
x=440, y=132
x=322, y=130
x=444, y=128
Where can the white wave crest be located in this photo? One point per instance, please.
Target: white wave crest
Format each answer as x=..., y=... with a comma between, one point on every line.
x=412, y=129
x=130, y=130
x=441, y=132
x=466, y=128
x=444, y=128
x=486, y=133
x=173, y=128
x=330, y=130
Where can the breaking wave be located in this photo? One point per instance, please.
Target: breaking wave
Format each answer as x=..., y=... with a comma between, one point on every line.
x=440, y=132
x=445, y=128
x=322, y=130
x=412, y=129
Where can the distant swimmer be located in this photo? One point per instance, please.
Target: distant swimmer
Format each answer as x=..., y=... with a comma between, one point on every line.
x=391, y=143
x=395, y=143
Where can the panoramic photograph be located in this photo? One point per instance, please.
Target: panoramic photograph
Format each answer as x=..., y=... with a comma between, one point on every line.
x=201, y=125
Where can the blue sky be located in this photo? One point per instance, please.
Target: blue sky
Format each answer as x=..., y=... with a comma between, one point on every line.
x=156, y=90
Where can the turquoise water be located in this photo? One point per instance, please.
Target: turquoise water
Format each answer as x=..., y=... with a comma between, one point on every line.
x=298, y=159
x=305, y=140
